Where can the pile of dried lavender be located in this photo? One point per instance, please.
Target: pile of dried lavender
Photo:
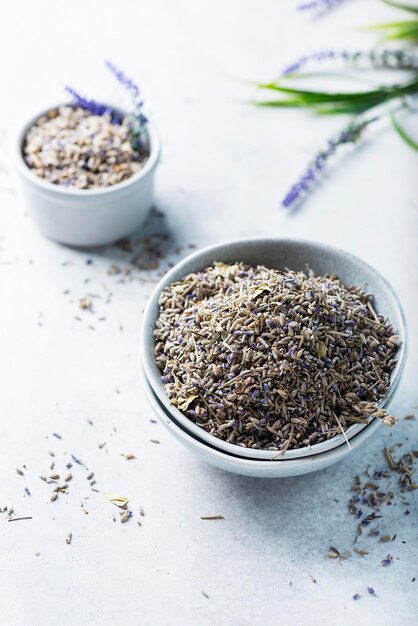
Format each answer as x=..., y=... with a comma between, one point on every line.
x=74, y=147
x=269, y=359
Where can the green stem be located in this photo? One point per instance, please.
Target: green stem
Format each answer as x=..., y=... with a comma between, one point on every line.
x=354, y=102
x=402, y=132
x=394, y=91
x=401, y=5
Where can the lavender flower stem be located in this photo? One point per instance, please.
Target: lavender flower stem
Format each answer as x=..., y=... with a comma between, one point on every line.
x=138, y=119
x=90, y=105
x=319, y=5
x=387, y=58
x=347, y=136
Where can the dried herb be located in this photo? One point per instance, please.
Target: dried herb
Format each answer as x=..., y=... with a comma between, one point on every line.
x=361, y=552
x=273, y=359
x=119, y=501
x=387, y=561
x=124, y=516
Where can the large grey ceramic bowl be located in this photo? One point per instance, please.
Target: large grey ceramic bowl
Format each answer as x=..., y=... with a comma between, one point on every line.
x=278, y=254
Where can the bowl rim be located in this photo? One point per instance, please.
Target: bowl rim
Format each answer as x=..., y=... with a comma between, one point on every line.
x=156, y=385
x=26, y=171
x=278, y=466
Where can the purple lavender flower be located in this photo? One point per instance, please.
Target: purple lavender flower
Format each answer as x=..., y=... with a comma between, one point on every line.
x=349, y=135
x=319, y=5
x=321, y=55
x=387, y=561
x=138, y=119
x=90, y=105
x=124, y=80
x=386, y=58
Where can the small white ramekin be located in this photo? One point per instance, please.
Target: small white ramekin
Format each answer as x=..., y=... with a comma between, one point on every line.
x=88, y=217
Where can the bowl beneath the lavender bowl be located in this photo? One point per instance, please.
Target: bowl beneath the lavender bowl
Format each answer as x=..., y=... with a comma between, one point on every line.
x=281, y=468
x=279, y=254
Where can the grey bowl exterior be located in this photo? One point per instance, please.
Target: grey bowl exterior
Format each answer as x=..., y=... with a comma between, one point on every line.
x=91, y=217
x=276, y=253
x=252, y=467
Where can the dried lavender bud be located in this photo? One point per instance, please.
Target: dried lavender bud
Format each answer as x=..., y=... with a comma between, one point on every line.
x=84, y=103
x=389, y=420
x=75, y=147
x=387, y=561
x=272, y=360
x=137, y=119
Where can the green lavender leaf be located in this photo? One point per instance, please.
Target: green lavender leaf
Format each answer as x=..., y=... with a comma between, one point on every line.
x=280, y=103
x=310, y=96
x=401, y=5
x=333, y=103
x=402, y=133
x=409, y=34
x=397, y=30
x=400, y=24
x=347, y=109
x=322, y=109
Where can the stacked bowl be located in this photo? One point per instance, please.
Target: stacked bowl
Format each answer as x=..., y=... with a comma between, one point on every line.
x=278, y=254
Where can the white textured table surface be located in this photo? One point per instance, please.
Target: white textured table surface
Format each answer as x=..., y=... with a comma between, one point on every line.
x=224, y=169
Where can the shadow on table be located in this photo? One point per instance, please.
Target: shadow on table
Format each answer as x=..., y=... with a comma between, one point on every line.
x=311, y=509
x=151, y=248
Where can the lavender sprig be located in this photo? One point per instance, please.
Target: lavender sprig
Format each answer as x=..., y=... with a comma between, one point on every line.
x=349, y=135
x=321, y=55
x=319, y=5
x=387, y=58
x=90, y=105
x=138, y=120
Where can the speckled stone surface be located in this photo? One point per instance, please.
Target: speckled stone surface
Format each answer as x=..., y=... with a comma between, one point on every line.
x=225, y=167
